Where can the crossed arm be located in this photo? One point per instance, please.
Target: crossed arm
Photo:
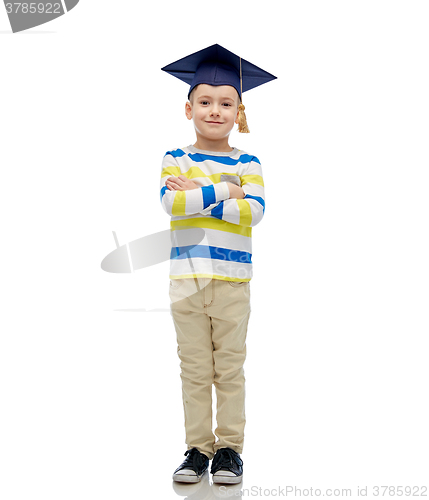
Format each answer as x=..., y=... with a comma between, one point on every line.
x=182, y=183
x=234, y=204
x=243, y=205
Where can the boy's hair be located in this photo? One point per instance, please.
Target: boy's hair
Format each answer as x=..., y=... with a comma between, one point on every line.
x=191, y=95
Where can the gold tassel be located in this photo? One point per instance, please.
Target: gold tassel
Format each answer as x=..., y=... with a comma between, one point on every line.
x=242, y=122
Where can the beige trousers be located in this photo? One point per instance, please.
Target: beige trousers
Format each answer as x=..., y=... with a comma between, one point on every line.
x=211, y=328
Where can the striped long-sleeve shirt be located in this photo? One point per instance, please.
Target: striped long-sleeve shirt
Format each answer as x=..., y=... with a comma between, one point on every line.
x=225, y=252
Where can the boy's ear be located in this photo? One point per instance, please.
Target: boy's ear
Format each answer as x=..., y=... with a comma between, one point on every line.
x=236, y=118
x=188, y=110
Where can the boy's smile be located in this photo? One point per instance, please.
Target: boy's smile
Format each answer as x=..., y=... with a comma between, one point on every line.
x=214, y=110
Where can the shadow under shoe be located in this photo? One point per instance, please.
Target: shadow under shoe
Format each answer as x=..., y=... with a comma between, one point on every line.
x=227, y=466
x=192, y=468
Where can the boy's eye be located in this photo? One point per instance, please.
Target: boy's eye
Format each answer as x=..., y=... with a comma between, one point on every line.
x=226, y=104
x=204, y=102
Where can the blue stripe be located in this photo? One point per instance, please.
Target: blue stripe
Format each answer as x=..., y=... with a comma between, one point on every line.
x=257, y=198
x=209, y=195
x=209, y=252
x=163, y=190
x=177, y=153
x=225, y=160
x=190, y=251
x=217, y=211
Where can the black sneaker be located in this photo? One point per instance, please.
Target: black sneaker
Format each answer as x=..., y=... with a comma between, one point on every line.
x=227, y=466
x=192, y=468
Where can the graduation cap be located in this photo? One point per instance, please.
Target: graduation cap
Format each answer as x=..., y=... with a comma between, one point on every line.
x=216, y=65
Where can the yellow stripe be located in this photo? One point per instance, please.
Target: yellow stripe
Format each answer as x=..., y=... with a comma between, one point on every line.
x=197, y=172
x=213, y=276
x=167, y=171
x=245, y=212
x=213, y=223
x=254, y=179
x=179, y=203
x=194, y=172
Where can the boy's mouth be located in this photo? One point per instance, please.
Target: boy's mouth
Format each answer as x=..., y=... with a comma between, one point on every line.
x=219, y=123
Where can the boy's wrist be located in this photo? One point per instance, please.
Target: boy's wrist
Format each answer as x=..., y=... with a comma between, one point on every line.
x=235, y=191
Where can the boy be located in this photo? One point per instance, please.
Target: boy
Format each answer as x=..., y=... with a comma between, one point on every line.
x=220, y=189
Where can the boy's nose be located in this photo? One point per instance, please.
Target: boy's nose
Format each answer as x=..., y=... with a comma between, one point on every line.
x=215, y=111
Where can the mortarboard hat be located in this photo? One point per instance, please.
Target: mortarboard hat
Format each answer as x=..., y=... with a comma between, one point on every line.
x=216, y=65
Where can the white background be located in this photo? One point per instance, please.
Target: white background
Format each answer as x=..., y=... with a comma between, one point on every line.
x=336, y=371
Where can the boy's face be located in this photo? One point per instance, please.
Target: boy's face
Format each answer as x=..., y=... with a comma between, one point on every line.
x=214, y=110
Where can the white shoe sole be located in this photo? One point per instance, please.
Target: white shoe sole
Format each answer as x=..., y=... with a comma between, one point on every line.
x=187, y=478
x=217, y=478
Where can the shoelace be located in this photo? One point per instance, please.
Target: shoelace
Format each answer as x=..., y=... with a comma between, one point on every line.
x=194, y=459
x=225, y=458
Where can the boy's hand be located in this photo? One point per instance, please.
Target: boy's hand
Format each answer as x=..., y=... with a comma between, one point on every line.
x=180, y=183
x=235, y=191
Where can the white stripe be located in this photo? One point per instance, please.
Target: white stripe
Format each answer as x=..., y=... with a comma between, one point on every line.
x=211, y=267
